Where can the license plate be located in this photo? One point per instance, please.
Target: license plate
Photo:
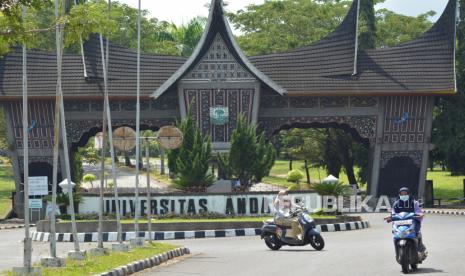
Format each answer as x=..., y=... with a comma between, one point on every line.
x=403, y=222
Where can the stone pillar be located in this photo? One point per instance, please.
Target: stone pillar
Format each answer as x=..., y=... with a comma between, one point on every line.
x=427, y=147
x=376, y=148
x=15, y=160
x=429, y=194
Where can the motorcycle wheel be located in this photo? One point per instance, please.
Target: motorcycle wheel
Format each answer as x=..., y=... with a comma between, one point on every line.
x=403, y=259
x=317, y=242
x=272, y=243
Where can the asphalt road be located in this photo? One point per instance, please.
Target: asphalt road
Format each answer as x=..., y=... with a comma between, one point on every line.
x=362, y=252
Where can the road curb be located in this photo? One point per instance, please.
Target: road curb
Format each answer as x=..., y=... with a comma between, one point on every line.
x=442, y=212
x=15, y=227
x=181, y=235
x=147, y=263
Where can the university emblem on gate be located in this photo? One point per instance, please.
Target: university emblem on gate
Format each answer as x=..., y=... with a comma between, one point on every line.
x=219, y=115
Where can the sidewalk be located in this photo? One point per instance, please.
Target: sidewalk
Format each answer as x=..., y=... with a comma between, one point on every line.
x=445, y=211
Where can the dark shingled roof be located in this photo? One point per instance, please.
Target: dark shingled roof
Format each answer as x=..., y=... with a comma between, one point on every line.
x=424, y=65
x=155, y=69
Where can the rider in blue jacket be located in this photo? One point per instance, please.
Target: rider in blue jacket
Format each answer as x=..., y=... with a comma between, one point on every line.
x=406, y=203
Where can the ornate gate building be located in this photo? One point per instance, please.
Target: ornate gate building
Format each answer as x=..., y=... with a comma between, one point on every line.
x=385, y=97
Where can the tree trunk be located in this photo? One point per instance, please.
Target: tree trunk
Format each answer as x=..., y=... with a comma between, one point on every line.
x=290, y=163
x=127, y=160
x=307, y=172
x=162, y=161
x=349, y=166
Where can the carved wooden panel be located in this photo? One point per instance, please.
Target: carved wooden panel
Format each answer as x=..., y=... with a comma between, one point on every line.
x=405, y=119
x=40, y=124
x=236, y=100
x=218, y=64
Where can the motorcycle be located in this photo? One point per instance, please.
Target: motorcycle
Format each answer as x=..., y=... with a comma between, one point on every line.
x=406, y=241
x=275, y=235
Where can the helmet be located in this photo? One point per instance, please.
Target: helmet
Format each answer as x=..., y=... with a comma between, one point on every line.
x=404, y=189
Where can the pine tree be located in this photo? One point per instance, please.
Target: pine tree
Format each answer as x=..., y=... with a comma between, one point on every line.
x=243, y=153
x=193, y=157
x=266, y=155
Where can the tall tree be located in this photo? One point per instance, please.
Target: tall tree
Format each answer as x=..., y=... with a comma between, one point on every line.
x=277, y=26
x=393, y=29
x=367, y=35
x=449, y=125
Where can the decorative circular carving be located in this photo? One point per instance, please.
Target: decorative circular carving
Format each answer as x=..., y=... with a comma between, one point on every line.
x=124, y=138
x=170, y=137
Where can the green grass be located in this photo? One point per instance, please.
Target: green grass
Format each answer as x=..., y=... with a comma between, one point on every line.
x=445, y=185
x=278, y=173
x=7, y=186
x=95, y=265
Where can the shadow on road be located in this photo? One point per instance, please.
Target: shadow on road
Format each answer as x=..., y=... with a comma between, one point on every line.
x=427, y=270
x=297, y=250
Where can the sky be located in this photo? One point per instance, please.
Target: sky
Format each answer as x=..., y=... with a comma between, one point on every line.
x=181, y=11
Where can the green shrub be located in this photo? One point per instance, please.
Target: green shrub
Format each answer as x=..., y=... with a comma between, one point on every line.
x=295, y=176
x=332, y=189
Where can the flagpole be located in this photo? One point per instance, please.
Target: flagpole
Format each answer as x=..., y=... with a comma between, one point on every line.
x=27, y=238
x=110, y=138
x=56, y=141
x=137, y=203
x=76, y=254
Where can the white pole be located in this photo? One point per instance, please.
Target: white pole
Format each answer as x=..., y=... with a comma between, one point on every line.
x=137, y=203
x=27, y=238
x=110, y=138
x=149, y=198
x=102, y=165
x=56, y=141
x=64, y=137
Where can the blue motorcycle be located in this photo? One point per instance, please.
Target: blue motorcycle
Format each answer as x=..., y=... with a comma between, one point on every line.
x=406, y=241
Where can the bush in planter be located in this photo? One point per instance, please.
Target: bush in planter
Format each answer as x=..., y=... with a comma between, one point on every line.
x=295, y=176
x=89, y=178
x=332, y=189
x=335, y=189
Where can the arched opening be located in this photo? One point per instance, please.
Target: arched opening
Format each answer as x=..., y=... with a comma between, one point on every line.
x=318, y=149
x=400, y=171
x=85, y=158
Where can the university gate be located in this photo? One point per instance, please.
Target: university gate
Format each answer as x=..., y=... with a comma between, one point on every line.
x=384, y=95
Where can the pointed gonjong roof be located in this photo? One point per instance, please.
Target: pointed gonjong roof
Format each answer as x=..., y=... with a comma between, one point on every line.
x=217, y=24
x=425, y=65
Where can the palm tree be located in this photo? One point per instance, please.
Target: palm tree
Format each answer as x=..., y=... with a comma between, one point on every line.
x=187, y=35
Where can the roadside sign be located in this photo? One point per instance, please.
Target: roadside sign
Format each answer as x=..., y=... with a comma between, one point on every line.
x=35, y=203
x=48, y=211
x=38, y=185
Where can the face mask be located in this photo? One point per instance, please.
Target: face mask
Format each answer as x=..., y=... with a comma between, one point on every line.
x=404, y=197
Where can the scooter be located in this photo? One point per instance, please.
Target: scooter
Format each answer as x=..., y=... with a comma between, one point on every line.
x=275, y=235
x=406, y=241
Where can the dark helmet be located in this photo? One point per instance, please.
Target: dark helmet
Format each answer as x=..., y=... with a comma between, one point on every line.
x=404, y=189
